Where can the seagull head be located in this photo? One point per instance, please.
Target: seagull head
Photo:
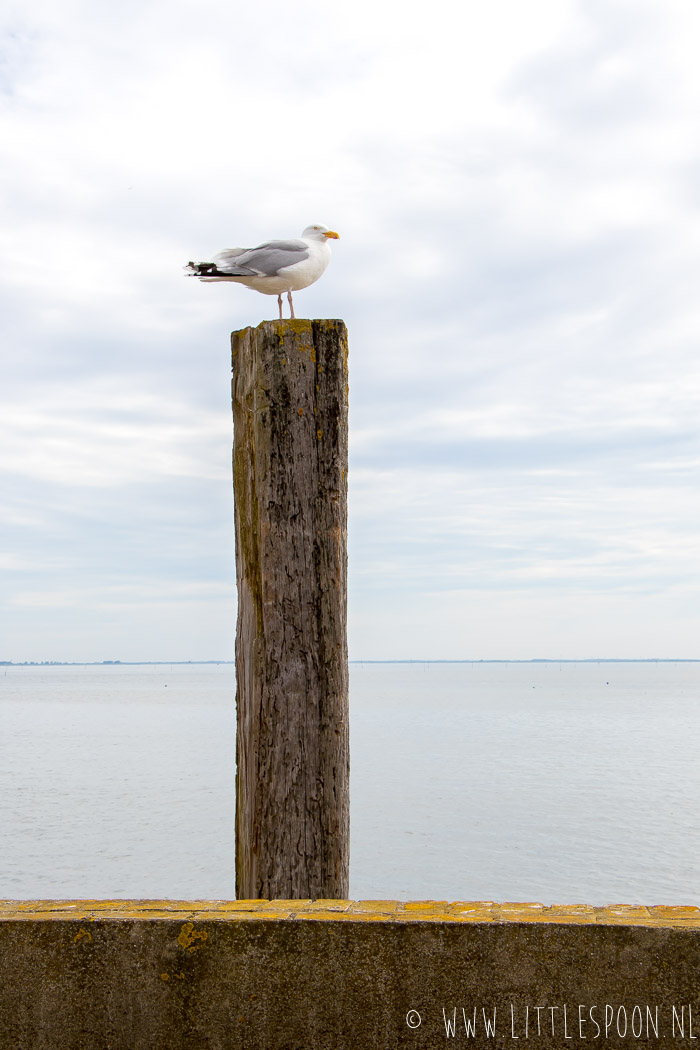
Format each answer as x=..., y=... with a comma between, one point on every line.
x=319, y=233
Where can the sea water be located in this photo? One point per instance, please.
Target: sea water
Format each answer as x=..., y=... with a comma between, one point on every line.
x=572, y=782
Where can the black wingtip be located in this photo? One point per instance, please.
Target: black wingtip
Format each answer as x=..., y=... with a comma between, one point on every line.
x=202, y=269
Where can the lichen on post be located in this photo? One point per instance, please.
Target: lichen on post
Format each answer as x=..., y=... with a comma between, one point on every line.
x=290, y=452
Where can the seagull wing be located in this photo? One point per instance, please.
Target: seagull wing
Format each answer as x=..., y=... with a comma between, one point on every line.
x=268, y=259
x=229, y=262
x=227, y=256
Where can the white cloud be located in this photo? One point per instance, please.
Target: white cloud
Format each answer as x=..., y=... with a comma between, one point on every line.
x=518, y=265
x=100, y=437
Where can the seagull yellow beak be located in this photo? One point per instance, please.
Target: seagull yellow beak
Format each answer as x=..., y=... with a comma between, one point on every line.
x=331, y=233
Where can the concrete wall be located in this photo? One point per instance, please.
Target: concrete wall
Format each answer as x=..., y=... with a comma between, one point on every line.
x=336, y=975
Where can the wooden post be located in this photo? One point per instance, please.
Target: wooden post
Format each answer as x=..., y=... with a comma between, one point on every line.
x=290, y=454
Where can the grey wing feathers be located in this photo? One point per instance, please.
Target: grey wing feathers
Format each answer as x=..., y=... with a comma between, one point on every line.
x=224, y=257
x=271, y=257
x=264, y=261
x=229, y=262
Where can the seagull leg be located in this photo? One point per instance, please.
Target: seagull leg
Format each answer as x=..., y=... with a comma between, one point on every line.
x=279, y=303
x=291, y=304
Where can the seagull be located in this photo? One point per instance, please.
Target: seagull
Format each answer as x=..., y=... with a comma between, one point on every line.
x=273, y=267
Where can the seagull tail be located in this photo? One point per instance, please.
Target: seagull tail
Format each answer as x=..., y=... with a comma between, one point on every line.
x=211, y=271
x=201, y=269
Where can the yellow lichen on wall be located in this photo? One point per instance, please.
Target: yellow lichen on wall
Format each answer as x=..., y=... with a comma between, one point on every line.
x=189, y=936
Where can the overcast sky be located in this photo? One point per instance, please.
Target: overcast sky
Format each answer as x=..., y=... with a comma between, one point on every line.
x=517, y=192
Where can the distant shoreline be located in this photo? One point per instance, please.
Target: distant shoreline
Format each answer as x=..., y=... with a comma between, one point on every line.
x=203, y=663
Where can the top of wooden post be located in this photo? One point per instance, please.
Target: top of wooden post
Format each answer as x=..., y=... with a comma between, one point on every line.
x=298, y=326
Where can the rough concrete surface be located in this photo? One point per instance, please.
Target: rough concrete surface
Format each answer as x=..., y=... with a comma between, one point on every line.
x=261, y=975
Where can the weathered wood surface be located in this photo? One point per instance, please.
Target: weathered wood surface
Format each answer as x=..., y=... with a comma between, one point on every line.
x=290, y=489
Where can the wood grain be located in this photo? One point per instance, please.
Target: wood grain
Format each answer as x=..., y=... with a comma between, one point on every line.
x=290, y=410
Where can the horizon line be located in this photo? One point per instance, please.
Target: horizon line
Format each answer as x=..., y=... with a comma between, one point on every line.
x=357, y=660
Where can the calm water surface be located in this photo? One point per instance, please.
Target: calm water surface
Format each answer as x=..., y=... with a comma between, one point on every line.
x=543, y=782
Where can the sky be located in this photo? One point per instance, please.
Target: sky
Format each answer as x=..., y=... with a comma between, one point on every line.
x=517, y=193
